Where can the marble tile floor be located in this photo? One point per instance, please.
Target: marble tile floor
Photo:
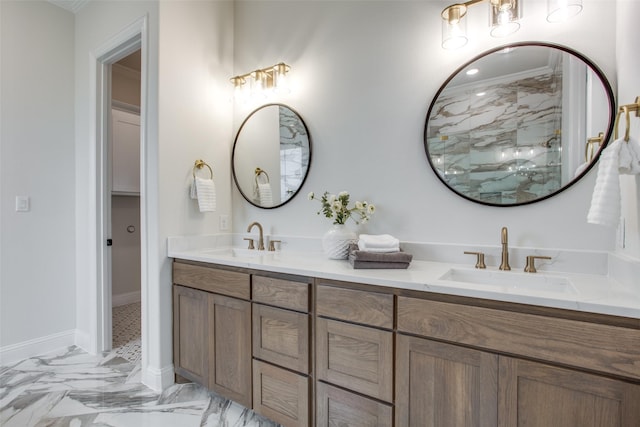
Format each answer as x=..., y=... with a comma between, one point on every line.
x=71, y=388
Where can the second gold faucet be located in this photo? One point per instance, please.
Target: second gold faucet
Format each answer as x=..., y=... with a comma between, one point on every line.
x=504, y=239
x=261, y=237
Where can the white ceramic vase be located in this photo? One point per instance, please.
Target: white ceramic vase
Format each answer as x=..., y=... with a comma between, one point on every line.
x=336, y=241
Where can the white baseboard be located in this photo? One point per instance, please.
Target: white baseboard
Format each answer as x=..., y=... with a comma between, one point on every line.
x=83, y=340
x=124, y=299
x=36, y=347
x=158, y=379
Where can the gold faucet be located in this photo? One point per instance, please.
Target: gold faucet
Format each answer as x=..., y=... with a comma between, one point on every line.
x=261, y=239
x=504, y=239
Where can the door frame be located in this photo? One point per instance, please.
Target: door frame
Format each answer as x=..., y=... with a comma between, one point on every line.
x=130, y=39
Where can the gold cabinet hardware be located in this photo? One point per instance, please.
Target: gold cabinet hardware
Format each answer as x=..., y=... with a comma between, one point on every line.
x=250, y=243
x=531, y=263
x=479, y=258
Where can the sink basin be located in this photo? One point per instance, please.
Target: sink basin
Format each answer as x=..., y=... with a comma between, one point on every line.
x=241, y=252
x=508, y=281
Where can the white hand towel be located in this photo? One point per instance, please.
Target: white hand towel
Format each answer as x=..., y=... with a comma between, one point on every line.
x=378, y=243
x=205, y=192
x=621, y=157
x=265, y=194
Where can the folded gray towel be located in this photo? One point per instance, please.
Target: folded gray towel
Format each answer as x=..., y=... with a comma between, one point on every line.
x=388, y=257
x=363, y=259
x=377, y=265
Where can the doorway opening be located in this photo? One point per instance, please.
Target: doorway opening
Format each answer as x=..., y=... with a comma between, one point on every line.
x=125, y=207
x=120, y=190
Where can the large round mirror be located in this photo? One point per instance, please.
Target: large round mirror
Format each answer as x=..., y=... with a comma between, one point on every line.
x=519, y=124
x=271, y=156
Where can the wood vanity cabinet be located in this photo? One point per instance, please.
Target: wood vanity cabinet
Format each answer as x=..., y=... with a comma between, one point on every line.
x=212, y=329
x=539, y=395
x=441, y=384
x=281, y=349
x=480, y=366
x=374, y=356
x=354, y=357
x=190, y=334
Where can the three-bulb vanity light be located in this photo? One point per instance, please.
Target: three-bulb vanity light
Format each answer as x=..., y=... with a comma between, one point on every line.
x=262, y=81
x=504, y=18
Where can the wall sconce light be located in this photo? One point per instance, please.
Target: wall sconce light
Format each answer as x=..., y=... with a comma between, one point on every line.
x=260, y=82
x=504, y=18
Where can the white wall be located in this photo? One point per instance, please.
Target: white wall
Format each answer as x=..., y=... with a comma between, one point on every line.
x=363, y=75
x=194, y=123
x=37, y=282
x=628, y=63
x=187, y=112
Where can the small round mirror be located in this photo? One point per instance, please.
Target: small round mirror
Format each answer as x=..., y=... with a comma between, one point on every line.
x=519, y=124
x=271, y=156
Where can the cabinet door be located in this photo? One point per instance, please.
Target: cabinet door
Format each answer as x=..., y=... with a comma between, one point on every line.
x=337, y=407
x=440, y=384
x=355, y=357
x=126, y=152
x=230, y=348
x=281, y=337
x=537, y=395
x=280, y=395
x=190, y=331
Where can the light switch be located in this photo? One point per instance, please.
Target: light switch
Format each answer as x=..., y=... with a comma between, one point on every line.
x=22, y=204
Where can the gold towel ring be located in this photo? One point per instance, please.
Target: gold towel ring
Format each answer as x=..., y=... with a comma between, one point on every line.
x=259, y=171
x=626, y=109
x=199, y=165
x=589, y=149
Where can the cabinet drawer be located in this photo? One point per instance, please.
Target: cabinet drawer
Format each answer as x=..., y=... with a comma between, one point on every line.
x=280, y=395
x=369, y=308
x=603, y=348
x=337, y=407
x=355, y=357
x=281, y=337
x=230, y=283
x=281, y=293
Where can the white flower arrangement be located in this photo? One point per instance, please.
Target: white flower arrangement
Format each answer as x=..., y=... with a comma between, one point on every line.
x=337, y=208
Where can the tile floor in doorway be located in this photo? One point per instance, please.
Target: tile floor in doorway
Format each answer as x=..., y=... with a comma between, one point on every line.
x=71, y=388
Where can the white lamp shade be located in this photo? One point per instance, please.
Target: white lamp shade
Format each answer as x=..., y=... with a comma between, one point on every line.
x=454, y=35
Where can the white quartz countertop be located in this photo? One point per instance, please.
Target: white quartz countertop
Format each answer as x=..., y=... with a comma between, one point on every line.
x=584, y=292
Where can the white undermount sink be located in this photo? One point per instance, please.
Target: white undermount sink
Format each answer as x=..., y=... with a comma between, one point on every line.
x=241, y=252
x=508, y=281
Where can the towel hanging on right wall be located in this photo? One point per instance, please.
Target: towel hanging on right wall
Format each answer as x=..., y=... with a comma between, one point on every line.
x=619, y=158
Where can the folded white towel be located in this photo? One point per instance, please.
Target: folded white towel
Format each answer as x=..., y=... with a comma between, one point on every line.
x=265, y=195
x=378, y=243
x=205, y=191
x=621, y=157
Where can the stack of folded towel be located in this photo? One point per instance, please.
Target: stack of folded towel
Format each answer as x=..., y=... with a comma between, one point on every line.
x=378, y=251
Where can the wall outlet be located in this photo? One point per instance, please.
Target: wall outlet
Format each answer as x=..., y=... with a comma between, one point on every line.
x=224, y=222
x=23, y=204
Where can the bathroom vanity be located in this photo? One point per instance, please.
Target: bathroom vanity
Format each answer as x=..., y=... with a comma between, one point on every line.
x=308, y=341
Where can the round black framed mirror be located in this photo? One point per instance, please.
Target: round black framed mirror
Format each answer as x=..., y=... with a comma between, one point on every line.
x=519, y=123
x=271, y=156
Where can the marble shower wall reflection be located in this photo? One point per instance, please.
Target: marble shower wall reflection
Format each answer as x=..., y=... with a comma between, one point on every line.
x=500, y=142
x=294, y=152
